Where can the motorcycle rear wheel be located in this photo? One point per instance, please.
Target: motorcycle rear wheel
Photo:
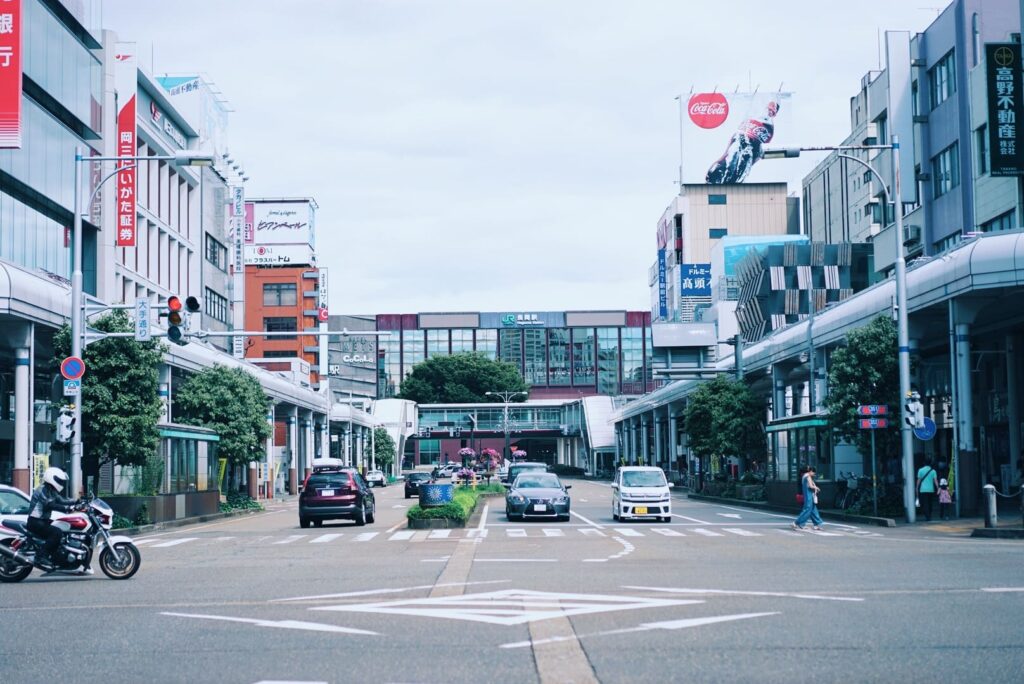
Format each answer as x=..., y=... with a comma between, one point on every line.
x=124, y=568
x=12, y=570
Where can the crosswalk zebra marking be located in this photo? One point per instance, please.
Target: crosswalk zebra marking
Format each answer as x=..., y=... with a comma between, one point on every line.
x=439, y=534
x=591, y=532
x=741, y=532
x=477, y=533
x=289, y=539
x=551, y=532
x=706, y=533
x=515, y=532
x=404, y=535
x=664, y=531
x=365, y=536
x=626, y=532
x=173, y=542
x=789, y=533
x=326, y=538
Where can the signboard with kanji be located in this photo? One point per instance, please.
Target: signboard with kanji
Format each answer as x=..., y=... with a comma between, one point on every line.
x=872, y=410
x=873, y=423
x=126, y=80
x=1005, y=108
x=10, y=74
x=695, y=280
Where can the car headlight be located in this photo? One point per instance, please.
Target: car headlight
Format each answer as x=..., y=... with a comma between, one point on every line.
x=517, y=499
x=562, y=500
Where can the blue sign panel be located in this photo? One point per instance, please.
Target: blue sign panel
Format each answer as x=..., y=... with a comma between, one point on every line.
x=695, y=280
x=662, y=285
x=927, y=431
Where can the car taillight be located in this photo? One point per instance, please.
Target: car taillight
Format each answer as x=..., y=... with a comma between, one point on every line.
x=347, y=497
x=75, y=522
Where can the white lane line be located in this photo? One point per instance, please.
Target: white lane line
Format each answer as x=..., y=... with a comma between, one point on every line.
x=395, y=527
x=399, y=506
x=515, y=532
x=584, y=501
x=741, y=532
x=147, y=540
x=365, y=536
x=725, y=592
x=371, y=592
x=325, y=538
x=515, y=560
x=173, y=542
x=291, y=538
x=589, y=522
x=439, y=534
x=590, y=532
x=280, y=624
x=404, y=535
x=777, y=515
x=706, y=533
x=626, y=532
x=483, y=520
x=551, y=532
x=477, y=533
x=683, y=517
x=667, y=532
x=1002, y=590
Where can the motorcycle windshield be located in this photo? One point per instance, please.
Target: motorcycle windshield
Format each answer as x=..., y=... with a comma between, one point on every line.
x=102, y=506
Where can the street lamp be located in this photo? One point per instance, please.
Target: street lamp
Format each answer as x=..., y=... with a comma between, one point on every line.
x=183, y=158
x=903, y=336
x=506, y=397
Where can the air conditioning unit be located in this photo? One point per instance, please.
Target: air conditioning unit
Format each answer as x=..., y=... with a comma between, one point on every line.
x=911, y=234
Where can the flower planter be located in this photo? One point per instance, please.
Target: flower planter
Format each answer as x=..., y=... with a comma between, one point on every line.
x=434, y=494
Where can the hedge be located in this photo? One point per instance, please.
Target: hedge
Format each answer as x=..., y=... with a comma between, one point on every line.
x=459, y=508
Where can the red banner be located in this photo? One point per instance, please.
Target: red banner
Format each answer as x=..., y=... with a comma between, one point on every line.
x=10, y=73
x=126, y=84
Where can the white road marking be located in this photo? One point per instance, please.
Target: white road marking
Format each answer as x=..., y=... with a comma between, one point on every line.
x=477, y=533
x=483, y=521
x=288, y=681
x=365, y=536
x=439, y=534
x=442, y=559
x=822, y=533
x=683, y=517
x=290, y=539
x=670, y=624
x=515, y=532
x=371, y=592
x=741, y=532
x=725, y=592
x=589, y=522
x=778, y=515
x=280, y=624
x=551, y=532
x=395, y=527
x=730, y=515
x=590, y=532
x=626, y=532
x=399, y=506
x=584, y=501
x=147, y=540
x=706, y=533
x=667, y=532
x=325, y=538
x=789, y=533
x=515, y=560
x=404, y=535
x=173, y=542
x=1002, y=590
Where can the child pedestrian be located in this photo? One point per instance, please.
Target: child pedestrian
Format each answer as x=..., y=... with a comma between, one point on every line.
x=945, y=499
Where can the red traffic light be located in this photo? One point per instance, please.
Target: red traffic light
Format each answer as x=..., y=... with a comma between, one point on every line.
x=174, y=303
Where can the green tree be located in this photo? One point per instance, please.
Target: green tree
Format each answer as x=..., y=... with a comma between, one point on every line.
x=866, y=371
x=230, y=402
x=724, y=418
x=384, y=448
x=461, y=379
x=120, y=399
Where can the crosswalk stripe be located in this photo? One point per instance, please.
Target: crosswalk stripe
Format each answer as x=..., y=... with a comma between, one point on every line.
x=515, y=532
x=741, y=532
x=626, y=532
x=477, y=532
x=789, y=533
x=290, y=539
x=173, y=542
x=591, y=532
x=439, y=534
x=551, y=532
x=404, y=535
x=365, y=536
x=667, y=532
x=324, y=538
x=826, y=534
x=706, y=533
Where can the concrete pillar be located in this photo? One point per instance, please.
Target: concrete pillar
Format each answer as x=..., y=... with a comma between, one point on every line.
x=23, y=418
x=618, y=438
x=968, y=472
x=269, y=455
x=645, y=452
x=658, y=438
x=560, y=450
x=254, y=489
x=165, y=391
x=673, y=438
x=1013, y=407
x=293, y=444
x=307, y=461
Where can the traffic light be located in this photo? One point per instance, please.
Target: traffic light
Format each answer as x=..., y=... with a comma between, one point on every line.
x=178, y=314
x=66, y=424
x=914, y=410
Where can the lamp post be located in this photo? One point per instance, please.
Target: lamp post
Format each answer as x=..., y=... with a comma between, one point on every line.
x=903, y=335
x=184, y=158
x=506, y=397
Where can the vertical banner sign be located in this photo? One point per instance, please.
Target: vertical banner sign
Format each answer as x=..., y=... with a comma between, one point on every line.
x=662, y=285
x=126, y=81
x=1005, y=107
x=322, y=316
x=238, y=231
x=10, y=73
x=695, y=280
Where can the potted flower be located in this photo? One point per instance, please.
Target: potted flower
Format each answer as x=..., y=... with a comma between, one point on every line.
x=467, y=455
x=518, y=455
x=467, y=476
x=491, y=458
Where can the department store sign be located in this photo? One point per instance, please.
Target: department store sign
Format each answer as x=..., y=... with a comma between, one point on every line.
x=1005, y=107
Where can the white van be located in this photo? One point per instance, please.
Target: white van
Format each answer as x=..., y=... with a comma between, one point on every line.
x=640, y=492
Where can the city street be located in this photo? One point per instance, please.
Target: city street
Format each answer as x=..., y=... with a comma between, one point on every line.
x=720, y=594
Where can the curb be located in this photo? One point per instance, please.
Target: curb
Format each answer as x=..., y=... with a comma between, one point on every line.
x=182, y=522
x=758, y=505
x=998, y=533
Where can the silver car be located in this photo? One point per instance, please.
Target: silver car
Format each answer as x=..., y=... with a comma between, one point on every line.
x=537, y=495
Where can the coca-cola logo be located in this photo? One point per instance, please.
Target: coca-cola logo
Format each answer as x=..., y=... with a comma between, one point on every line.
x=709, y=110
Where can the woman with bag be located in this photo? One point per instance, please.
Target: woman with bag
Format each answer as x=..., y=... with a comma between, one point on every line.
x=810, y=492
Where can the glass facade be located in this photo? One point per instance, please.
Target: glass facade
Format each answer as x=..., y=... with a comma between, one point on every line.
x=583, y=361
x=389, y=365
x=608, y=360
x=510, y=346
x=535, y=354
x=412, y=350
x=437, y=343
x=559, y=357
x=487, y=344
x=462, y=341
x=632, y=350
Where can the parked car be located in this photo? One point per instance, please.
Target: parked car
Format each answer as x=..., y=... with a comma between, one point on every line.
x=376, y=478
x=413, y=482
x=641, y=492
x=537, y=494
x=333, y=493
x=14, y=505
x=447, y=471
x=516, y=468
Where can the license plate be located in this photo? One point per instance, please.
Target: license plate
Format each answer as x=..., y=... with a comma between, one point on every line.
x=540, y=508
x=640, y=510
x=326, y=492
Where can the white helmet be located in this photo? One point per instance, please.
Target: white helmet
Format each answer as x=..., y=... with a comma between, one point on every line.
x=55, y=477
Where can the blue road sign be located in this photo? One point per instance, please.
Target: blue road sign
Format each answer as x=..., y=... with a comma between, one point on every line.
x=72, y=387
x=927, y=431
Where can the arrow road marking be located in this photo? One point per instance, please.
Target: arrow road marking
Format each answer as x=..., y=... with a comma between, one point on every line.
x=280, y=624
x=372, y=592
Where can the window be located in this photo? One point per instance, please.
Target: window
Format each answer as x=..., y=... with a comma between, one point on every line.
x=280, y=294
x=716, y=233
x=216, y=306
x=280, y=324
x=437, y=343
x=487, y=344
x=942, y=80
x=914, y=107
x=286, y=354
x=510, y=347
x=608, y=360
x=867, y=177
x=981, y=143
x=716, y=199
x=1007, y=221
x=583, y=360
x=535, y=350
x=560, y=353
x=216, y=253
x=946, y=170
x=882, y=129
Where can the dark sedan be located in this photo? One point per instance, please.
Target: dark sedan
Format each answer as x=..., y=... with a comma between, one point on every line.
x=537, y=495
x=332, y=493
x=413, y=482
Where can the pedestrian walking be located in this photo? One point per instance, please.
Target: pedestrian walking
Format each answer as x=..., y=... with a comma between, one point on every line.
x=810, y=510
x=927, y=484
x=945, y=499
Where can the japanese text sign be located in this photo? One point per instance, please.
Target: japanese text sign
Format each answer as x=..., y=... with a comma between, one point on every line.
x=126, y=84
x=1005, y=106
x=695, y=280
x=10, y=73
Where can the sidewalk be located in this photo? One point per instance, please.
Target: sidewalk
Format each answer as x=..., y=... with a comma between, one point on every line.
x=209, y=517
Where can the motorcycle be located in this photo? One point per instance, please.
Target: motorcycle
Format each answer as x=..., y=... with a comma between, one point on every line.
x=82, y=533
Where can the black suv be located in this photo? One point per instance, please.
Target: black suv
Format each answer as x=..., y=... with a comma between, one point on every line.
x=332, y=493
x=413, y=482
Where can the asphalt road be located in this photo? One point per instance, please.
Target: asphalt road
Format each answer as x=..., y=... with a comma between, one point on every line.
x=719, y=594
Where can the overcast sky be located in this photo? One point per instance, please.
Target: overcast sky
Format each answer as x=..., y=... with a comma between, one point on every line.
x=497, y=155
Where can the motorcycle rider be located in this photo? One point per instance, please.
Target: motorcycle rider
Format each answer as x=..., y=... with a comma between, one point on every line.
x=45, y=499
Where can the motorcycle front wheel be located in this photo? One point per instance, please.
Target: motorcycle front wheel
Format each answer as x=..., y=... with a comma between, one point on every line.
x=122, y=564
x=11, y=570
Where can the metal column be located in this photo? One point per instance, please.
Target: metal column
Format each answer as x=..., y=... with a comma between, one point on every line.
x=23, y=418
